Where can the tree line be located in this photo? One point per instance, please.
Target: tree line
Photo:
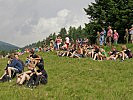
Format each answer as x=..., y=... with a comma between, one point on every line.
x=102, y=13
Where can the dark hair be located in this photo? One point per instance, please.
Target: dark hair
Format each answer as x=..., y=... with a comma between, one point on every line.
x=11, y=56
x=32, y=52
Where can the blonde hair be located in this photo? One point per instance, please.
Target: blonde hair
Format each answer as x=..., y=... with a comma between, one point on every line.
x=123, y=47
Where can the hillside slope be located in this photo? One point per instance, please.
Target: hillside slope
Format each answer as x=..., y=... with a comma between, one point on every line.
x=6, y=46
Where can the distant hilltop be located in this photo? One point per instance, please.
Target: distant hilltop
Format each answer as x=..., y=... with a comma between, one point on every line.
x=7, y=47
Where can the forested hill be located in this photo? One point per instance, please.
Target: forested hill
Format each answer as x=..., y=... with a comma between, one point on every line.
x=7, y=47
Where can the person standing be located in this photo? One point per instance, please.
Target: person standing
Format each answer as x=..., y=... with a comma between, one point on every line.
x=51, y=44
x=126, y=35
x=67, y=41
x=115, y=37
x=102, y=36
x=109, y=35
x=98, y=38
x=58, y=41
x=131, y=32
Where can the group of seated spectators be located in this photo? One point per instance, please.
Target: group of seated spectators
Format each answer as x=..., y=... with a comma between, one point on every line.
x=34, y=75
x=95, y=52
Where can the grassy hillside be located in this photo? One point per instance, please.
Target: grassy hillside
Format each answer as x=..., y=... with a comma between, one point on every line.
x=76, y=79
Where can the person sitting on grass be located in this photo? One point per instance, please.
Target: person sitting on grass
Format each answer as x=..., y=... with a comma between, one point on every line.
x=27, y=61
x=114, y=54
x=17, y=57
x=25, y=76
x=33, y=73
x=89, y=50
x=38, y=76
x=35, y=56
x=102, y=54
x=126, y=53
x=78, y=53
x=71, y=50
x=96, y=51
x=14, y=66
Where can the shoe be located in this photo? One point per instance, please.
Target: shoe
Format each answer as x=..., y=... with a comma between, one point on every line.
x=9, y=79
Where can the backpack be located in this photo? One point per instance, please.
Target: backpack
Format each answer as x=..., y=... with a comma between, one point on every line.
x=36, y=80
x=31, y=81
x=5, y=78
x=43, y=80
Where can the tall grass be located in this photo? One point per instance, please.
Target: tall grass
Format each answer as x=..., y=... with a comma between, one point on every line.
x=76, y=79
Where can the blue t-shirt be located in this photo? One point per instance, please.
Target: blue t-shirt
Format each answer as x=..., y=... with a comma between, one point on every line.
x=16, y=64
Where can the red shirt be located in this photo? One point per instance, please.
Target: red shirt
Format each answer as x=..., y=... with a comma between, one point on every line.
x=109, y=33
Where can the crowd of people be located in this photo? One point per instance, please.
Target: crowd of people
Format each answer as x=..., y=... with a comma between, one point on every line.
x=81, y=48
x=96, y=52
x=33, y=76
x=103, y=37
x=36, y=74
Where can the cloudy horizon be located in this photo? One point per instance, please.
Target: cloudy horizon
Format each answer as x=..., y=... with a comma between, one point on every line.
x=27, y=21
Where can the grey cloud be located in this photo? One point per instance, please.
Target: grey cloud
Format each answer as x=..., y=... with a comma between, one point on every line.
x=26, y=21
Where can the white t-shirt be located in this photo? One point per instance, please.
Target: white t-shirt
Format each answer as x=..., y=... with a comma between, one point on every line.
x=67, y=39
x=131, y=32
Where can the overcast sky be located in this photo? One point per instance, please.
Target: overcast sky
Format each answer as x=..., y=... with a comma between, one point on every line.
x=27, y=21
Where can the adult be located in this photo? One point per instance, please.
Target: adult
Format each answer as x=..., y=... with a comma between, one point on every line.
x=51, y=44
x=102, y=36
x=126, y=35
x=58, y=42
x=115, y=37
x=13, y=65
x=131, y=32
x=109, y=35
x=98, y=38
x=67, y=41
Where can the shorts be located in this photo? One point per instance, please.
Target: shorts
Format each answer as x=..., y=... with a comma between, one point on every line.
x=131, y=36
x=15, y=69
x=110, y=38
x=67, y=44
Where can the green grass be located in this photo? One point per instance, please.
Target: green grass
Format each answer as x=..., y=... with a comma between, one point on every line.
x=76, y=79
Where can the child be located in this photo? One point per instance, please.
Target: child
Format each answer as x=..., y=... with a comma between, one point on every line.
x=115, y=37
x=126, y=53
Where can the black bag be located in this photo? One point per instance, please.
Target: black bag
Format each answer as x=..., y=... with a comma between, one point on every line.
x=5, y=78
x=39, y=79
x=31, y=81
x=43, y=80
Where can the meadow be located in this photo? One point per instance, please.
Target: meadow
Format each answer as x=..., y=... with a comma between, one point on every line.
x=75, y=79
